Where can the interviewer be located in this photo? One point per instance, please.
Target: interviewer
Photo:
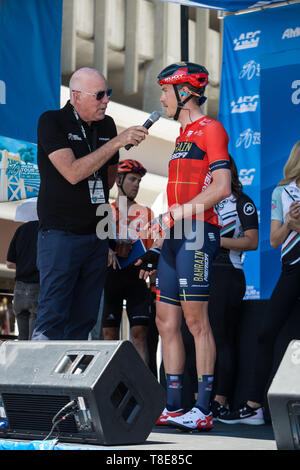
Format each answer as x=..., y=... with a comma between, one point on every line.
x=78, y=154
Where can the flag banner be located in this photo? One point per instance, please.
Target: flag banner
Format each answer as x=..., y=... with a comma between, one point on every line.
x=30, y=79
x=248, y=41
x=19, y=174
x=225, y=5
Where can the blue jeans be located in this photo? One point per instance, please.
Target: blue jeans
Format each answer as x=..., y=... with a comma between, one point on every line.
x=72, y=275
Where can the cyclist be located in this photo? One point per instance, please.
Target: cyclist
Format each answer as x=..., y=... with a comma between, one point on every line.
x=199, y=177
x=129, y=217
x=285, y=231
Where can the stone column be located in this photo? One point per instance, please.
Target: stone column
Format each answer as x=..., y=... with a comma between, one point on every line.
x=101, y=35
x=68, y=53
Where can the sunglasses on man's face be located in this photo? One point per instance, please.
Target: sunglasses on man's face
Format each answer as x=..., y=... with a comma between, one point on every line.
x=99, y=94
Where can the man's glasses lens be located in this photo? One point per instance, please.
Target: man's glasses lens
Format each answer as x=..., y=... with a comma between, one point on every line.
x=101, y=94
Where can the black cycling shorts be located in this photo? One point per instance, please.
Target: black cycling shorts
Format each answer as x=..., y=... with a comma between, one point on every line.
x=125, y=285
x=185, y=262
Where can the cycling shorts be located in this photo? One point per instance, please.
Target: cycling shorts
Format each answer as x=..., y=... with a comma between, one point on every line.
x=185, y=262
x=125, y=285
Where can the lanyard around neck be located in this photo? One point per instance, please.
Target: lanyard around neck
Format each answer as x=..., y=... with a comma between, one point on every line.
x=79, y=122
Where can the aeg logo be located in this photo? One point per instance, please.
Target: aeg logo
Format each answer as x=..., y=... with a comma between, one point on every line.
x=247, y=40
x=296, y=94
x=246, y=176
x=2, y=92
x=245, y=104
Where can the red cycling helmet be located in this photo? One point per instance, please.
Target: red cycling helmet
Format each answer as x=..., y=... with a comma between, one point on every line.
x=185, y=72
x=131, y=166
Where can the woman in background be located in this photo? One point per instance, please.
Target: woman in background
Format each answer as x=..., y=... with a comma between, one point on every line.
x=238, y=234
x=285, y=231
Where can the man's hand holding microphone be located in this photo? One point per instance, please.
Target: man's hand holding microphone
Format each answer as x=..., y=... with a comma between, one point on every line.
x=133, y=136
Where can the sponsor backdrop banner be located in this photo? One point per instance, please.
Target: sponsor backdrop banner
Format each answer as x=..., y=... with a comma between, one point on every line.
x=30, y=55
x=259, y=104
x=280, y=131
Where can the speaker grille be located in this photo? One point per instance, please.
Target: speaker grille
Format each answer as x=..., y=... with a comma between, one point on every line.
x=35, y=412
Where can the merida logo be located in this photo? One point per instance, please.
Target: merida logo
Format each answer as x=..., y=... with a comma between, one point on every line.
x=2, y=92
x=291, y=33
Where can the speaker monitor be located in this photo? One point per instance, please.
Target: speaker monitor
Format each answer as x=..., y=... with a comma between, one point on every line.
x=284, y=399
x=118, y=399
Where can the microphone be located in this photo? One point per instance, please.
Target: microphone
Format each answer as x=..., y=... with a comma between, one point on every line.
x=151, y=120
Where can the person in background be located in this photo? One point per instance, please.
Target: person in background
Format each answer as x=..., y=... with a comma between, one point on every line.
x=124, y=284
x=21, y=256
x=285, y=231
x=78, y=154
x=239, y=233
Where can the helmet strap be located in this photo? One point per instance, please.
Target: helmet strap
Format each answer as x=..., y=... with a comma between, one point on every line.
x=122, y=189
x=180, y=104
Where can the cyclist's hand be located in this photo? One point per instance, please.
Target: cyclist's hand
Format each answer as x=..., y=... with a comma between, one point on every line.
x=294, y=211
x=112, y=259
x=160, y=224
x=148, y=263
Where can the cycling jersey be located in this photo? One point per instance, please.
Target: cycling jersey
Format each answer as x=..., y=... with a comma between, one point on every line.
x=125, y=284
x=238, y=215
x=200, y=149
x=282, y=198
x=128, y=226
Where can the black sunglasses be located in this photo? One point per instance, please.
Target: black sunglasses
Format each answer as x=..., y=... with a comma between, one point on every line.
x=99, y=94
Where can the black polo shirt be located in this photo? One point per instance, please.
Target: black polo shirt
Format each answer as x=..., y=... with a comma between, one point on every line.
x=61, y=205
x=22, y=252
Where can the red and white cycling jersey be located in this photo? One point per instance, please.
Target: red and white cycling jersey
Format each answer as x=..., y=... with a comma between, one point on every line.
x=129, y=224
x=201, y=148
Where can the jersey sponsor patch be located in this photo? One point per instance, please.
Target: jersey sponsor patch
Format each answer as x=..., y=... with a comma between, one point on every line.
x=249, y=208
x=74, y=137
x=187, y=150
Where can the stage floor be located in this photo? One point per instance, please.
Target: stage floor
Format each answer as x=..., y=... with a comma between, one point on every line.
x=221, y=437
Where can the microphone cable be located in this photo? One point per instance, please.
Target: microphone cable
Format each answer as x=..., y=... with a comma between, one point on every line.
x=72, y=406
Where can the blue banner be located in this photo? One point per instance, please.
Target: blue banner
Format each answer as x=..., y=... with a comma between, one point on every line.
x=226, y=5
x=19, y=174
x=280, y=132
x=30, y=79
x=248, y=41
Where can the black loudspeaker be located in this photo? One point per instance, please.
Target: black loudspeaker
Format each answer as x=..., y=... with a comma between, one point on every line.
x=116, y=399
x=284, y=399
